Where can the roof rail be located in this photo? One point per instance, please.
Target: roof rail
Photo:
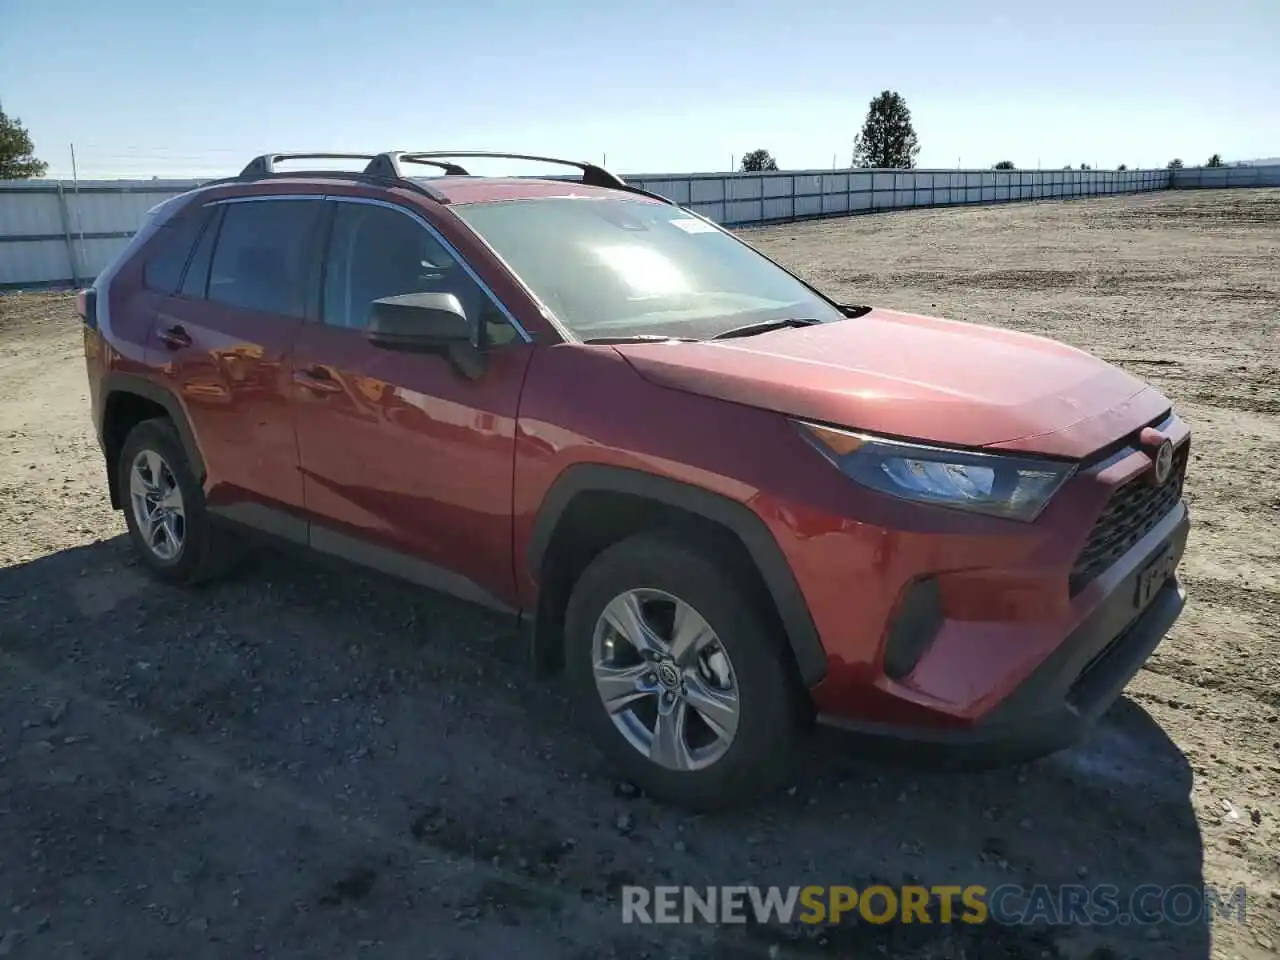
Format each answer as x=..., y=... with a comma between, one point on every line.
x=387, y=166
x=265, y=165
x=592, y=174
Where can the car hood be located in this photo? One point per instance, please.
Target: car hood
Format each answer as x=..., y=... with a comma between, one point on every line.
x=920, y=377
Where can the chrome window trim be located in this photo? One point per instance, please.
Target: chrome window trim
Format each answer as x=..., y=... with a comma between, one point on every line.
x=267, y=196
x=449, y=248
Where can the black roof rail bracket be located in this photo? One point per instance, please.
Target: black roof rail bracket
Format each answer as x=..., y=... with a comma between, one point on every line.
x=388, y=165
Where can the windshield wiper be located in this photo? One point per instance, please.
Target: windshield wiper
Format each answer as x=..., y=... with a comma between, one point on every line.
x=764, y=326
x=640, y=338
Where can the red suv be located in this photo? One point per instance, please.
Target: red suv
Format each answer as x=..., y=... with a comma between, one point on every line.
x=722, y=502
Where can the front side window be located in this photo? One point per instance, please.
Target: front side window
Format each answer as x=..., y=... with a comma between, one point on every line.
x=376, y=252
x=262, y=258
x=622, y=267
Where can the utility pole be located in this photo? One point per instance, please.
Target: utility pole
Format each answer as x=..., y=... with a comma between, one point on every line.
x=75, y=179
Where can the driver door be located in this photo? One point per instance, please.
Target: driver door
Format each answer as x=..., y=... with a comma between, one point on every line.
x=407, y=462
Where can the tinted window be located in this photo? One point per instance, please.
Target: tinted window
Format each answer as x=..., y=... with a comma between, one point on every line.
x=172, y=246
x=197, y=277
x=378, y=252
x=616, y=267
x=262, y=258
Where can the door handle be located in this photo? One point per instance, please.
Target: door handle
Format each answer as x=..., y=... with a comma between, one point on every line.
x=175, y=338
x=317, y=379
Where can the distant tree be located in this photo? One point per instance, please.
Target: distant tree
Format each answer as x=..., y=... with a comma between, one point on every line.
x=1004, y=165
x=1175, y=164
x=17, y=152
x=1215, y=161
x=1085, y=166
x=1122, y=167
x=887, y=139
x=758, y=160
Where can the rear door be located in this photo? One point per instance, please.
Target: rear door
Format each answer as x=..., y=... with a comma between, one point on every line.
x=408, y=460
x=224, y=341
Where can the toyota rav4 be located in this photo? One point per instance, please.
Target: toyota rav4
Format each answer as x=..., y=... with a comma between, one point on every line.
x=722, y=503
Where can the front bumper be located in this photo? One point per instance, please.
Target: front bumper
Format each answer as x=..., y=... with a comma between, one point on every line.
x=1071, y=688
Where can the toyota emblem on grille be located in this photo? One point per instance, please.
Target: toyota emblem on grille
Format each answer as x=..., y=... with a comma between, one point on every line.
x=1164, y=462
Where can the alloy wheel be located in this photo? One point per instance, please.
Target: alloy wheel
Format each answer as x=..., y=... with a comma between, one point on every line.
x=665, y=679
x=157, y=504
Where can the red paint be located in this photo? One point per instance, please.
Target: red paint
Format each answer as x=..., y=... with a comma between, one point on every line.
x=235, y=383
x=409, y=454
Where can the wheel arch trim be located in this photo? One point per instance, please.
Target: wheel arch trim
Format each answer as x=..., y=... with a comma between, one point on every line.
x=116, y=383
x=801, y=633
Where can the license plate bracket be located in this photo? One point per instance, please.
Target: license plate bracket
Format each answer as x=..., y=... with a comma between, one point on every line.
x=1154, y=575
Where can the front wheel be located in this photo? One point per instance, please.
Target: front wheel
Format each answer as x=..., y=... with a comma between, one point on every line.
x=678, y=674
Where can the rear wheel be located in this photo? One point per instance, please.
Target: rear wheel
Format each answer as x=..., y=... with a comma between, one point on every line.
x=164, y=507
x=677, y=675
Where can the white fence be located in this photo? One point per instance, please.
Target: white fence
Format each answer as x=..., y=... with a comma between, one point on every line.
x=744, y=199
x=54, y=233
x=1192, y=178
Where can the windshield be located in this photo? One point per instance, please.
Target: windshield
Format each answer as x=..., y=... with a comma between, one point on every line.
x=622, y=267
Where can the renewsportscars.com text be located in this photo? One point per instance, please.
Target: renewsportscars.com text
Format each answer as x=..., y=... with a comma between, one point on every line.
x=1010, y=904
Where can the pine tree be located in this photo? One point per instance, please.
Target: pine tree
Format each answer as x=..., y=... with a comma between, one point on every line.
x=887, y=139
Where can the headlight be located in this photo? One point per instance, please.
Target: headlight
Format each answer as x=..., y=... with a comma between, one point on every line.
x=1011, y=486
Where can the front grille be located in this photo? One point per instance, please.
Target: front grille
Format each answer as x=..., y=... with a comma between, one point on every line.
x=1131, y=513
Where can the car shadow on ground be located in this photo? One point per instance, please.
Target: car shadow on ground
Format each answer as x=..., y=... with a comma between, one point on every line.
x=397, y=706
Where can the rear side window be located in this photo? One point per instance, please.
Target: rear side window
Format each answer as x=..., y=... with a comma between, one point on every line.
x=262, y=259
x=172, y=245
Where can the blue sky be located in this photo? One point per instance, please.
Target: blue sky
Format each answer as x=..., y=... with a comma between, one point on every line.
x=144, y=87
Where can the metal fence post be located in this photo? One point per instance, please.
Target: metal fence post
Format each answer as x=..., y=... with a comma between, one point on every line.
x=65, y=216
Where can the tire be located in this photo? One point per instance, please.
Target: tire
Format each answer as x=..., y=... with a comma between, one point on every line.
x=204, y=549
x=655, y=569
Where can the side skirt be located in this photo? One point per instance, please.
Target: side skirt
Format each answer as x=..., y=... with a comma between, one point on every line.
x=281, y=526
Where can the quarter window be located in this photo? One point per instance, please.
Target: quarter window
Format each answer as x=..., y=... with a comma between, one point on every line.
x=173, y=243
x=377, y=252
x=196, y=280
x=262, y=258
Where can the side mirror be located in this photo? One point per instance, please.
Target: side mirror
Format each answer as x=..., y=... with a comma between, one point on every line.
x=419, y=321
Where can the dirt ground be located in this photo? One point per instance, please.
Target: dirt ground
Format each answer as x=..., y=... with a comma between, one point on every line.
x=306, y=761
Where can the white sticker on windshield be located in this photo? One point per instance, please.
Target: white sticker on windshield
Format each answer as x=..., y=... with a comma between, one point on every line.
x=693, y=225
